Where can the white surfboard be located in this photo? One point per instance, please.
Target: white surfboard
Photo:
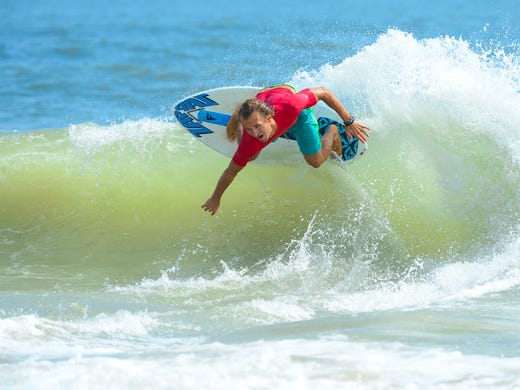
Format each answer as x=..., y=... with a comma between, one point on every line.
x=205, y=116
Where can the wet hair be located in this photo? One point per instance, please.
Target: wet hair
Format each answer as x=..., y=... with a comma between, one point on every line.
x=254, y=105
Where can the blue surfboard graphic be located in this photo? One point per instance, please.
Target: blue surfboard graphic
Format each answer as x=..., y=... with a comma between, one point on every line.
x=216, y=118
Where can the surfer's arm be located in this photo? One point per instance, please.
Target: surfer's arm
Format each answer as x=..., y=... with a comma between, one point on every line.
x=355, y=129
x=227, y=177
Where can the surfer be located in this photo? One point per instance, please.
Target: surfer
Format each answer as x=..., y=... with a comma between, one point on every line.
x=273, y=112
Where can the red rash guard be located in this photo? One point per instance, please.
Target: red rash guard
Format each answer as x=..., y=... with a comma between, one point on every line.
x=287, y=106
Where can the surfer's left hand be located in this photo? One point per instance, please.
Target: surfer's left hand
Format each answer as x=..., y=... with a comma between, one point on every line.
x=358, y=130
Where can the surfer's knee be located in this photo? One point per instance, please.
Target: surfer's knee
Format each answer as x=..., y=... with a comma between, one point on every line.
x=314, y=160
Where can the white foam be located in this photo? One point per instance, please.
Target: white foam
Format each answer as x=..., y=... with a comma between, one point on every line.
x=327, y=362
x=284, y=308
x=33, y=335
x=94, y=135
x=399, y=78
x=143, y=136
x=449, y=283
x=303, y=281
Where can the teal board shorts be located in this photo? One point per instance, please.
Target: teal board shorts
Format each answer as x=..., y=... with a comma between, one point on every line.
x=305, y=132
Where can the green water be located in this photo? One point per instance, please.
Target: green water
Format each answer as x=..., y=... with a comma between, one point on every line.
x=78, y=203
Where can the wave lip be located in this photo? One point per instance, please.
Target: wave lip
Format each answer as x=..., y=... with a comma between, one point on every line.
x=400, y=78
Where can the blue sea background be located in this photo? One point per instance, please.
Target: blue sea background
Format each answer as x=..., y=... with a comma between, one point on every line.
x=402, y=271
x=72, y=62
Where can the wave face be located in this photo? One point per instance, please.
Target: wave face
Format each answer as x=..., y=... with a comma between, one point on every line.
x=441, y=177
x=102, y=233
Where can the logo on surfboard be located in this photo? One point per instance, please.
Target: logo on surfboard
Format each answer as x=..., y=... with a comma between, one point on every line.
x=188, y=112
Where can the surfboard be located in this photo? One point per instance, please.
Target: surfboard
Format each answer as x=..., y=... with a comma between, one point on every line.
x=206, y=114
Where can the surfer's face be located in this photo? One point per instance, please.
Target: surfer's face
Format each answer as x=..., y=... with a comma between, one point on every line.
x=260, y=126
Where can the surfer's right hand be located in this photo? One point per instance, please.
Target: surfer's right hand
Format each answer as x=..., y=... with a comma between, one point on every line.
x=211, y=205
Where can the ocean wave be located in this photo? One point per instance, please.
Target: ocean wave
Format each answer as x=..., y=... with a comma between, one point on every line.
x=440, y=180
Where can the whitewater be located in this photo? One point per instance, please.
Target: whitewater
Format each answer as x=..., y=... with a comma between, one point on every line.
x=402, y=271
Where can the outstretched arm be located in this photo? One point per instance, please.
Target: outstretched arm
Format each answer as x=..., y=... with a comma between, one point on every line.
x=356, y=129
x=213, y=203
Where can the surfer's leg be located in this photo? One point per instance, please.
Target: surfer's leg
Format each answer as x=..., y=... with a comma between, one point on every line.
x=336, y=144
x=315, y=147
x=305, y=130
x=317, y=159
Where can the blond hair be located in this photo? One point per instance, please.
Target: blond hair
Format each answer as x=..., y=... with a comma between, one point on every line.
x=254, y=105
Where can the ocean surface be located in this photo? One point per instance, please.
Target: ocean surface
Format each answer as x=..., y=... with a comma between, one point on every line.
x=401, y=272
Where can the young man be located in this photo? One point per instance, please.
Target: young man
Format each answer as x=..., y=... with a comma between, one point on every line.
x=270, y=114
